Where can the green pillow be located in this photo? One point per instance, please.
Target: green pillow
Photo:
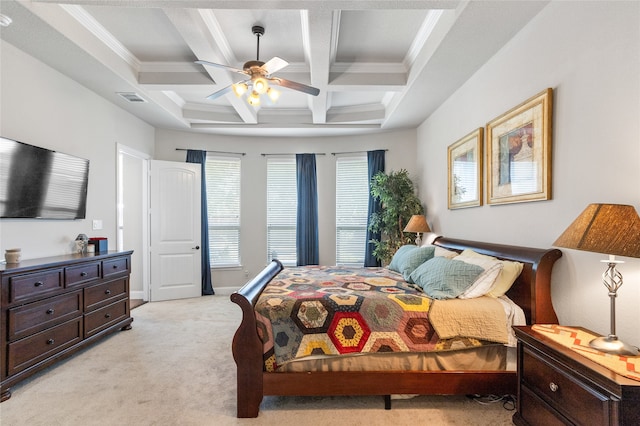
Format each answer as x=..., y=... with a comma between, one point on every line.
x=399, y=256
x=442, y=278
x=414, y=259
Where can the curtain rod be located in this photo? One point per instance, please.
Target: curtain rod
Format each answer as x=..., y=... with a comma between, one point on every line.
x=315, y=153
x=355, y=152
x=214, y=152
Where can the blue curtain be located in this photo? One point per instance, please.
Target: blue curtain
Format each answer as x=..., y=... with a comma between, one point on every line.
x=307, y=216
x=200, y=157
x=375, y=161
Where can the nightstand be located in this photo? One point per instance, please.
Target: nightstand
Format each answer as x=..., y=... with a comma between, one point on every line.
x=557, y=385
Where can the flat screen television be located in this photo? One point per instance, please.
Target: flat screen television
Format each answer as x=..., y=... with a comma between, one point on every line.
x=40, y=183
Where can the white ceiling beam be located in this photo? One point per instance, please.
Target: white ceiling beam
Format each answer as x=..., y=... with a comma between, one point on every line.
x=321, y=28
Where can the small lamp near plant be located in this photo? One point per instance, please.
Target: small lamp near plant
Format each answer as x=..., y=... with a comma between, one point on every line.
x=612, y=229
x=418, y=224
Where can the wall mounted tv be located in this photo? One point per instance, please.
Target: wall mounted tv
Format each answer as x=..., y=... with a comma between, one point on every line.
x=40, y=183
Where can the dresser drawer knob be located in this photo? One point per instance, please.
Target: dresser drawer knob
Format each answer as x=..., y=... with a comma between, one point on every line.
x=83, y=274
x=38, y=284
x=107, y=291
x=107, y=315
x=50, y=311
x=115, y=266
x=50, y=342
x=553, y=387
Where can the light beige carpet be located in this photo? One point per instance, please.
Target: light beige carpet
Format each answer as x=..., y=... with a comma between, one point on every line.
x=174, y=367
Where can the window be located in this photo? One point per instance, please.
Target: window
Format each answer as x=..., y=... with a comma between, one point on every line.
x=352, y=204
x=282, y=204
x=223, y=206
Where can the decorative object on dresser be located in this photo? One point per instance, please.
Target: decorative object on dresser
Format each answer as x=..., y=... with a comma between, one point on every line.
x=52, y=307
x=418, y=224
x=612, y=229
x=561, y=382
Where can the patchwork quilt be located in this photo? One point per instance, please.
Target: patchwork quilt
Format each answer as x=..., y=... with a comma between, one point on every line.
x=329, y=310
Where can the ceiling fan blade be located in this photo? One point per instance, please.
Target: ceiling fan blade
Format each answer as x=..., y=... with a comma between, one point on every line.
x=221, y=92
x=295, y=86
x=274, y=64
x=227, y=67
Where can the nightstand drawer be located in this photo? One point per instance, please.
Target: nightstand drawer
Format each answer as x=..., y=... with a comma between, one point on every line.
x=535, y=410
x=574, y=399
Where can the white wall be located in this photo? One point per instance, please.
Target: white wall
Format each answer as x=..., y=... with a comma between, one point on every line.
x=401, y=154
x=42, y=107
x=589, y=52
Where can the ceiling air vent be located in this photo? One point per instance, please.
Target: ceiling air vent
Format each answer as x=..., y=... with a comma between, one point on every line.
x=132, y=97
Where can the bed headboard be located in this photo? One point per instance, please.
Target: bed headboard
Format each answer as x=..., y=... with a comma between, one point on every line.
x=532, y=289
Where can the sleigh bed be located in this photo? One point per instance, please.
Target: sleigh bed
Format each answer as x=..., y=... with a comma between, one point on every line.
x=480, y=367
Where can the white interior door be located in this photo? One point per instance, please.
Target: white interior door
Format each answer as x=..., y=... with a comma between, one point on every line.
x=175, y=230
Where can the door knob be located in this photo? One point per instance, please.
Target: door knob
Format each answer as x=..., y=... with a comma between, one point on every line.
x=195, y=248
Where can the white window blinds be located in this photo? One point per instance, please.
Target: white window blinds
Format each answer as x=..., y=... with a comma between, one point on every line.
x=282, y=204
x=223, y=205
x=352, y=203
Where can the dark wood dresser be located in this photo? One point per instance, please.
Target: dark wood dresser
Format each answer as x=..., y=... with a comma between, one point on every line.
x=54, y=306
x=558, y=386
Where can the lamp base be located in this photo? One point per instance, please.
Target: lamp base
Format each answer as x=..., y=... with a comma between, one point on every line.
x=612, y=345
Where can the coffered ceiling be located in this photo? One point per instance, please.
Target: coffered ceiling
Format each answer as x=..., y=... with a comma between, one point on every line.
x=379, y=65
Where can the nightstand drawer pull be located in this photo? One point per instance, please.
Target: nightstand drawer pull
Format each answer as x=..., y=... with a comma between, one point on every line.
x=553, y=387
x=50, y=342
x=38, y=284
x=107, y=292
x=50, y=311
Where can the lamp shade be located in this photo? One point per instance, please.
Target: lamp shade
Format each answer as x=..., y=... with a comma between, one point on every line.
x=417, y=223
x=604, y=228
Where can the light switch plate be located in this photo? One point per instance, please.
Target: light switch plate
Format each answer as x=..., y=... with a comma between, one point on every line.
x=97, y=224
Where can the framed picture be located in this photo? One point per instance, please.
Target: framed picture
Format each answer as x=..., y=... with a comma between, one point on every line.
x=519, y=152
x=465, y=171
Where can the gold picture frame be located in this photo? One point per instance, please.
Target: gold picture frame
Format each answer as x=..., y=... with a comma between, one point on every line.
x=519, y=152
x=465, y=171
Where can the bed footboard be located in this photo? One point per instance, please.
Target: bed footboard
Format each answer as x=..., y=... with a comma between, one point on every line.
x=247, y=346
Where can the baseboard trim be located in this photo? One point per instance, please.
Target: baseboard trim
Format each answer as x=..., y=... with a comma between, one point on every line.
x=224, y=291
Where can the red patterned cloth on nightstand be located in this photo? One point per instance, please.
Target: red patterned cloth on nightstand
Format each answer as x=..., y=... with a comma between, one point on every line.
x=578, y=340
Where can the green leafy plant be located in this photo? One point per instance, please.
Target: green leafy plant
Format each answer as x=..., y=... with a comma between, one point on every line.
x=399, y=202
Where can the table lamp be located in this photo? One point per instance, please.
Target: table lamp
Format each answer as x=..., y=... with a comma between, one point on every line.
x=418, y=224
x=612, y=229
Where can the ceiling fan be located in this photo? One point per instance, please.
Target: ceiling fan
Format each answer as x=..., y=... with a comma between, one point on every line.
x=260, y=77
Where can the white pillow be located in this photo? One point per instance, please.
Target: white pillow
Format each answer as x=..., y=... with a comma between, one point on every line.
x=443, y=252
x=510, y=271
x=486, y=280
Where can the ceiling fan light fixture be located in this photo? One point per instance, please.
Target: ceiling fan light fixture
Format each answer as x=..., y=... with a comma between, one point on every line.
x=273, y=94
x=260, y=85
x=240, y=89
x=254, y=98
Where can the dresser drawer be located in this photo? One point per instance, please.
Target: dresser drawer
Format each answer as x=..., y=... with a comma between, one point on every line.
x=28, y=319
x=574, y=399
x=35, y=285
x=80, y=274
x=114, y=267
x=102, y=318
x=31, y=350
x=103, y=294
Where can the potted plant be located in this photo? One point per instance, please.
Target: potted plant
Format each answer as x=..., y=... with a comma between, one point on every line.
x=396, y=193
